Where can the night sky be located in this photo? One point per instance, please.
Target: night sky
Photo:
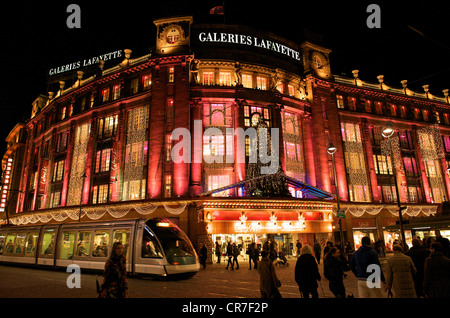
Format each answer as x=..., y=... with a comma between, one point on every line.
x=34, y=38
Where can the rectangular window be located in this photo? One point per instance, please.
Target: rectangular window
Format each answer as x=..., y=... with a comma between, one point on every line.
x=171, y=74
x=100, y=194
x=169, y=114
x=168, y=148
x=48, y=242
x=67, y=245
x=101, y=244
x=146, y=81
x=58, y=171
x=402, y=111
x=168, y=186
x=107, y=127
x=225, y=79
x=83, y=244
x=116, y=92
x=247, y=81
x=261, y=82
x=393, y=110
x=291, y=90
x=425, y=114
x=105, y=94
x=368, y=106
x=208, y=78
x=218, y=181
x=340, y=101
x=351, y=103
x=134, y=86
x=103, y=160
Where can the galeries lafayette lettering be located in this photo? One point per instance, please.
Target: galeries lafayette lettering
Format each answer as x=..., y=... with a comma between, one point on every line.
x=223, y=37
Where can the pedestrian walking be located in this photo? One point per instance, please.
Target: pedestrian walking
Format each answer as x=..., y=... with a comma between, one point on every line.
x=299, y=248
x=317, y=250
x=230, y=255
x=236, y=253
x=359, y=263
x=444, y=242
x=333, y=270
x=268, y=280
x=399, y=274
x=114, y=283
x=436, y=282
x=218, y=252
x=203, y=255
x=251, y=255
x=255, y=255
x=307, y=273
x=418, y=254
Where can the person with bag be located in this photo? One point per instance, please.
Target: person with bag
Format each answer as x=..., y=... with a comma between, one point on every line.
x=269, y=282
x=114, y=283
x=307, y=273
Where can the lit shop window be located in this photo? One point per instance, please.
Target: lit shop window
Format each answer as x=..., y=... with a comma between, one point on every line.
x=379, y=108
x=383, y=164
x=134, y=189
x=340, y=101
x=116, y=92
x=58, y=171
x=225, y=79
x=350, y=132
x=216, y=115
x=107, y=126
x=208, y=78
x=171, y=74
x=351, y=103
x=253, y=113
x=261, y=82
x=218, y=181
x=100, y=194
x=146, y=81
x=105, y=94
x=291, y=90
x=168, y=186
x=247, y=80
x=103, y=160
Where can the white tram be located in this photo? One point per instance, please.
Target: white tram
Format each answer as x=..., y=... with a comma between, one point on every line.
x=153, y=246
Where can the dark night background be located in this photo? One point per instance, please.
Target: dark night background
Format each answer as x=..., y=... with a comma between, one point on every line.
x=34, y=38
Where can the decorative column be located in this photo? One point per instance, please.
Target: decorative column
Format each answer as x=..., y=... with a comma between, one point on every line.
x=197, y=147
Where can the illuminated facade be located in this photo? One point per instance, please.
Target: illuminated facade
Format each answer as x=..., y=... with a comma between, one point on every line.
x=101, y=148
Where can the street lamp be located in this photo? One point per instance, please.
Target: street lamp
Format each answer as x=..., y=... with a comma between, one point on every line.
x=387, y=132
x=331, y=150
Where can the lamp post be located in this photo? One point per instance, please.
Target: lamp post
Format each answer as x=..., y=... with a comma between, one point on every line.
x=331, y=150
x=387, y=132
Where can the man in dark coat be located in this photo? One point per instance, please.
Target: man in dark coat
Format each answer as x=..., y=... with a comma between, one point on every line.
x=203, y=255
x=418, y=254
x=436, y=283
x=307, y=273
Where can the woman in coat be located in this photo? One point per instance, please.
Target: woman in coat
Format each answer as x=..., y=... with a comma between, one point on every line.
x=333, y=271
x=400, y=271
x=269, y=282
x=114, y=284
x=307, y=273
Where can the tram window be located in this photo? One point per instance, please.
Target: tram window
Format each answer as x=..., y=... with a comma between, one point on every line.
x=48, y=242
x=67, y=245
x=122, y=236
x=101, y=242
x=150, y=246
x=2, y=242
x=83, y=244
x=30, y=244
x=20, y=243
x=10, y=238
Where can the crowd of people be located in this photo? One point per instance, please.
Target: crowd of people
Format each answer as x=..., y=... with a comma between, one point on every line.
x=420, y=271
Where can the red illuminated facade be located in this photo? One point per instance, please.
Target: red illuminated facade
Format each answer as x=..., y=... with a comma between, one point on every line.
x=101, y=148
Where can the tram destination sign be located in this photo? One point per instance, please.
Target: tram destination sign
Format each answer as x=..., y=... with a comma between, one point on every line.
x=249, y=40
x=85, y=62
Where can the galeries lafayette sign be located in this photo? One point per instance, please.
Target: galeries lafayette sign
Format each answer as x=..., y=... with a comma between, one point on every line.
x=86, y=62
x=250, y=40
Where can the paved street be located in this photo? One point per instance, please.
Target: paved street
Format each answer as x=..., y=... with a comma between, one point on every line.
x=214, y=282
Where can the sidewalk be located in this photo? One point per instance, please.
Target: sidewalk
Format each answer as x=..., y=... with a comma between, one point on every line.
x=289, y=287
